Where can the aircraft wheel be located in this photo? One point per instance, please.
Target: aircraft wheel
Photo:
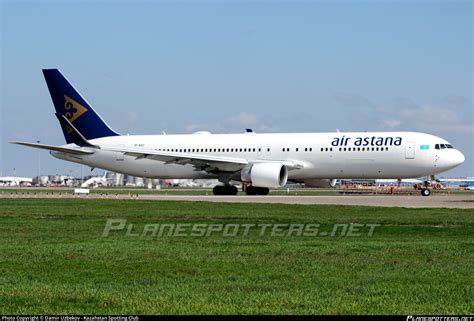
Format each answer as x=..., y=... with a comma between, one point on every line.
x=263, y=191
x=425, y=192
x=250, y=190
x=232, y=190
x=253, y=190
x=218, y=190
x=225, y=190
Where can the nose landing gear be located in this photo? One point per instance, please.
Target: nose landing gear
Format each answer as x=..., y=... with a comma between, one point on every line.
x=425, y=192
x=428, y=185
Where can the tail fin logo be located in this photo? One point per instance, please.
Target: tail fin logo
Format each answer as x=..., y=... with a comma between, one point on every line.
x=72, y=109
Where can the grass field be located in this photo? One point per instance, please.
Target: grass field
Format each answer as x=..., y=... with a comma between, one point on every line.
x=53, y=259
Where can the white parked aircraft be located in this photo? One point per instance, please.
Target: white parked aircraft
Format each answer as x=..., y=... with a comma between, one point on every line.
x=257, y=160
x=15, y=181
x=95, y=181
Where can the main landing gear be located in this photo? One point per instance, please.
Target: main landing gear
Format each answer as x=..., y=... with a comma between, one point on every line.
x=254, y=190
x=225, y=190
x=228, y=189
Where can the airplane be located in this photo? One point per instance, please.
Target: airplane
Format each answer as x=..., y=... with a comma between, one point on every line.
x=96, y=181
x=257, y=160
x=15, y=181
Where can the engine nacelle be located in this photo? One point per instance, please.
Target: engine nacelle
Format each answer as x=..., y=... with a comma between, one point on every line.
x=320, y=182
x=265, y=174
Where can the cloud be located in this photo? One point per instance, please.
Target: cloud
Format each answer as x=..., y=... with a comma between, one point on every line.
x=408, y=114
x=391, y=123
x=243, y=119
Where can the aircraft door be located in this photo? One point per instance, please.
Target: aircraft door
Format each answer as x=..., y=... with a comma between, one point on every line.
x=410, y=150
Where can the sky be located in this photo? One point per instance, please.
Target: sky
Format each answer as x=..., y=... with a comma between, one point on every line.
x=223, y=66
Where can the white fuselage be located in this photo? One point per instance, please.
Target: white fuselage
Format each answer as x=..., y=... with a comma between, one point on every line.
x=321, y=155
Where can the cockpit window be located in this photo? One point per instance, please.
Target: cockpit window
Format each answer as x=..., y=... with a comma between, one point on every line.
x=443, y=146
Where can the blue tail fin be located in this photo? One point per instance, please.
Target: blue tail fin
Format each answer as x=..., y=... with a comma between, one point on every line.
x=69, y=102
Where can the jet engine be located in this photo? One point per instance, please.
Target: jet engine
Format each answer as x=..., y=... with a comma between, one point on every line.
x=265, y=174
x=320, y=182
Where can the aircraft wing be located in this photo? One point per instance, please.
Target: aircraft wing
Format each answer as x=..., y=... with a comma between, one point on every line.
x=56, y=148
x=208, y=163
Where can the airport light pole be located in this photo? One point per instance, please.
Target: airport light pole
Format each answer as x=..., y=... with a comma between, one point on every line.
x=39, y=166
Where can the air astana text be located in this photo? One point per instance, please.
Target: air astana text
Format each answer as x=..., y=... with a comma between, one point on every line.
x=367, y=141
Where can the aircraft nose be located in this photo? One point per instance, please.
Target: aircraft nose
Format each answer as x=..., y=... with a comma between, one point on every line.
x=458, y=158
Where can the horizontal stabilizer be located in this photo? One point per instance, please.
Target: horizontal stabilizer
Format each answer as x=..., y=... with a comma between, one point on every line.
x=56, y=148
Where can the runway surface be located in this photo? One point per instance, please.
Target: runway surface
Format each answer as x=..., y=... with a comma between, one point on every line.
x=412, y=201
x=447, y=201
